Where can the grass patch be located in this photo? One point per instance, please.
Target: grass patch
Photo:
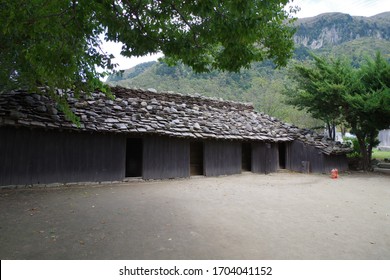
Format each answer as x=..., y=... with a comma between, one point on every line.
x=380, y=155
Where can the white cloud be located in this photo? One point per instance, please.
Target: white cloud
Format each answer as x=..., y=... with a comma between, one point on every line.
x=125, y=62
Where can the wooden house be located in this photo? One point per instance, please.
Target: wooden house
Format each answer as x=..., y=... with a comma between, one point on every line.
x=143, y=133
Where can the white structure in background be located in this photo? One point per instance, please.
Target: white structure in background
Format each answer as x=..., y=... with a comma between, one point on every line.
x=339, y=136
x=384, y=139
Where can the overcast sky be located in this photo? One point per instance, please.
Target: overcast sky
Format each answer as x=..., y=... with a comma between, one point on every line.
x=309, y=8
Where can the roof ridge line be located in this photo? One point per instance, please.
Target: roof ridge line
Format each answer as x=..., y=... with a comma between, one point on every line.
x=195, y=97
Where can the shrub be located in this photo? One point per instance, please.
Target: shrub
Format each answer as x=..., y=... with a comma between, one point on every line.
x=354, y=144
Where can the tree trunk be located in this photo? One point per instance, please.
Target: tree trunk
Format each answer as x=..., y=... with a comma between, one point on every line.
x=369, y=155
x=334, y=132
x=364, y=153
x=372, y=143
x=328, y=129
x=331, y=130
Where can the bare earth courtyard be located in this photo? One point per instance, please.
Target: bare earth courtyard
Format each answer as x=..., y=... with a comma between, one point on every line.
x=247, y=216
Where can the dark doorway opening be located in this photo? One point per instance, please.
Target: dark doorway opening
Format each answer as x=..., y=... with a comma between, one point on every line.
x=134, y=157
x=196, y=158
x=282, y=155
x=246, y=149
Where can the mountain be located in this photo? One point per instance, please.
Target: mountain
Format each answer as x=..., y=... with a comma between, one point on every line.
x=330, y=29
x=330, y=34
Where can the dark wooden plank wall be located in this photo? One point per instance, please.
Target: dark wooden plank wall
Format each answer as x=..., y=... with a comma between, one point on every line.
x=316, y=159
x=318, y=162
x=222, y=158
x=295, y=155
x=37, y=156
x=335, y=161
x=259, y=157
x=298, y=153
x=272, y=157
x=265, y=157
x=165, y=157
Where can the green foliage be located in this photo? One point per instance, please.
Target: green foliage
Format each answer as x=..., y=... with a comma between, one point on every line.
x=56, y=43
x=368, y=99
x=333, y=90
x=261, y=85
x=354, y=144
x=358, y=49
x=50, y=43
x=130, y=73
x=318, y=87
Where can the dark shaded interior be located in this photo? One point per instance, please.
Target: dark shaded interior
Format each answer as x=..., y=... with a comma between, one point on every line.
x=282, y=155
x=246, y=157
x=134, y=157
x=196, y=158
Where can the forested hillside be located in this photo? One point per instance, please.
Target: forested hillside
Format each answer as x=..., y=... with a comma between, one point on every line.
x=332, y=34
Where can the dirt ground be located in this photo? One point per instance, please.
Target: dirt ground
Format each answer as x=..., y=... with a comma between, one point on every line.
x=247, y=216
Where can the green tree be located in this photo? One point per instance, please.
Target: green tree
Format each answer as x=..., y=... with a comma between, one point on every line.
x=336, y=92
x=56, y=43
x=318, y=87
x=366, y=107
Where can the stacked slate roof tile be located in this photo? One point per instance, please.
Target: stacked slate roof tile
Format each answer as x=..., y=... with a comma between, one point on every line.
x=147, y=112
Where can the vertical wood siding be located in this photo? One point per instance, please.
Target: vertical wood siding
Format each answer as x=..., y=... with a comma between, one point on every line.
x=165, y=158
x=32, y=156
x=300, y=153
x=258, y=157
x=265, y=157
x=272, y=157
x=222, y=158
x=38, y=156
x=296, y=153
x=335, y=161
x=318, y=162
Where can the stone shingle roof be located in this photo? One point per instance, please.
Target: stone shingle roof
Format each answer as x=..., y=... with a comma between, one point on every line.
x=136, y=111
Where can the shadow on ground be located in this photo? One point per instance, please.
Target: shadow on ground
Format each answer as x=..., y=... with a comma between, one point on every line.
x=247, y=216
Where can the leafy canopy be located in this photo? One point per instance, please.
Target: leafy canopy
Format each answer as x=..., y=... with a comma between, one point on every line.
x=56, y=43
x=335, y=91
x=318, y=88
